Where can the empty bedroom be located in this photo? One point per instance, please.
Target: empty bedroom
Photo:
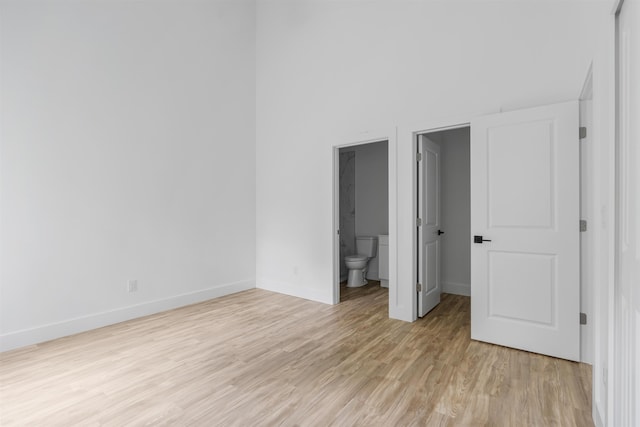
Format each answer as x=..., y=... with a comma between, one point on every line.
x=179, y=244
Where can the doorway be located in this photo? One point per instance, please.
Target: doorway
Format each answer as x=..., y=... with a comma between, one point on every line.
x=369, y=166
x=444, y=210
x=363, y=213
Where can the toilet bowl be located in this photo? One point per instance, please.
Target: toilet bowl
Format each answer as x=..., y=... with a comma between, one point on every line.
x=366, y=246
x=356, y=265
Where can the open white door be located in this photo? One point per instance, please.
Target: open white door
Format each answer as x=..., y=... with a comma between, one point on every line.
x=429, y=225
x=525, y=289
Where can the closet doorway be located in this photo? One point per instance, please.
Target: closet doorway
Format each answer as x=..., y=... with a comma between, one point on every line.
x=444, y=208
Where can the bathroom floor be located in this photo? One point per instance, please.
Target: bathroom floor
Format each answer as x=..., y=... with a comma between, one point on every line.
x=373, y=287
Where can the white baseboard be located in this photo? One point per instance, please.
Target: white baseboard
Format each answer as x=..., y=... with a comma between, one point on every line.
x=76, y=325
x=456, y=288
x=296, y=291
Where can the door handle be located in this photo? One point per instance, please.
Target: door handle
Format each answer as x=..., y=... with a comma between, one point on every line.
x=440, y=232
x=480, y=239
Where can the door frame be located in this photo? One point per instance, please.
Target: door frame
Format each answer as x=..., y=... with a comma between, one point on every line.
x=426, y=128
x=587, y=213
x=367, y=137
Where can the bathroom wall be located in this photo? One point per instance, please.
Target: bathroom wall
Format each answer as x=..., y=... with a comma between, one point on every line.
x=347, y=207
x=372, y=195
x=456, y=211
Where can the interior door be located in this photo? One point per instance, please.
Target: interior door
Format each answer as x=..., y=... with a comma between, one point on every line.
x=525, y=289
x=429, y=225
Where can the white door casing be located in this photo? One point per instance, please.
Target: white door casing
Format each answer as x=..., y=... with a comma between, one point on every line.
x=429, y=214
x=525, y=288
x=626, y=351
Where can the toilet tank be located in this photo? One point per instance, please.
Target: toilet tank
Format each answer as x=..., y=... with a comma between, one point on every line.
x=367, y=245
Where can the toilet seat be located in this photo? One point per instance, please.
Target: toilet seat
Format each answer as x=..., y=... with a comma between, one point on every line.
x=356, y=258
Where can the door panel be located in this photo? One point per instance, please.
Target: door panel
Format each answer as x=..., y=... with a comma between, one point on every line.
x=524, y=153
x=431, y=182
x=521, y=286
x=432, y=250
x=525, y=290
x=428, y=238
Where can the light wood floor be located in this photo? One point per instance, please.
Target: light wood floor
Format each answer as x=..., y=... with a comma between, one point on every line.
x=259, y=358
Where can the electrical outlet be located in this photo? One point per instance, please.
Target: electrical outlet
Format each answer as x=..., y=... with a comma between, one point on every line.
x=132, y=286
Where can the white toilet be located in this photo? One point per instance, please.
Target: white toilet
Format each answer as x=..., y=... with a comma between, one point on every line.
x=366, y=246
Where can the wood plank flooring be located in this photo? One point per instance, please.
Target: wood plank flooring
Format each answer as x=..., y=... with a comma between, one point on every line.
x=260, y=359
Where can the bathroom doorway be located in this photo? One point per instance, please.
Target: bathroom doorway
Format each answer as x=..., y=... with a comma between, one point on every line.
x=362, y=209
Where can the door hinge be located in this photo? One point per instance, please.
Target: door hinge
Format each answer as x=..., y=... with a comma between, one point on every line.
x=583, y=318
x=418, y=287
x=338, y=231
x=418, y=222
x=583, y=225
x=418, y=157
x=582, y=133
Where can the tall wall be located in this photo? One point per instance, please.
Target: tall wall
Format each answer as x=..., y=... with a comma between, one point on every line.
x=327, y=70
x=127, y=153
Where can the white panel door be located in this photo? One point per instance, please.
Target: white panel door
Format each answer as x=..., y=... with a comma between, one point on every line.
x=428, y=232
x=525, y=289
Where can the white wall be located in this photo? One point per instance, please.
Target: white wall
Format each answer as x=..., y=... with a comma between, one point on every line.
x=330, y=69
x=372, y=194
x=455, y=202
x=127, y=152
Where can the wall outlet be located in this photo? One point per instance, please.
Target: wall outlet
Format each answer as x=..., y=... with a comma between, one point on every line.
x=132, y=286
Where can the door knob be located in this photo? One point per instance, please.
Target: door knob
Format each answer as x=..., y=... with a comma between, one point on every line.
x=480, y=239
x=440, y=232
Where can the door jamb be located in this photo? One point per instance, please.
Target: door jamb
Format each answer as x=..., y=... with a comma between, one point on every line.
x=587, y=292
